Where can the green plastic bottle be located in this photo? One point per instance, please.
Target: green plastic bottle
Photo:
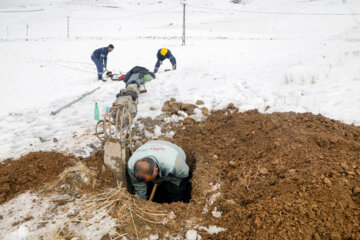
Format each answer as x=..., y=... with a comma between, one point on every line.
x=96, y=112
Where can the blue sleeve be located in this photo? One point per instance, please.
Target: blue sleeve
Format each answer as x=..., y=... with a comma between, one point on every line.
x=172, y=58
x=103, y=55
x=157, y=65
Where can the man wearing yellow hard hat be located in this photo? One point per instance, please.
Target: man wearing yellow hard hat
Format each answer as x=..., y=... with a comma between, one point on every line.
x=162, y=54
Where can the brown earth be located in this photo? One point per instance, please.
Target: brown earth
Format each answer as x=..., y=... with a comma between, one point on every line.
x=281, y=176
x=34, y=169
x=29, y=172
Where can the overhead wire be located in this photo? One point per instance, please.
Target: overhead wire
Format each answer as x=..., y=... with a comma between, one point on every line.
x=275, y=13
x=128, y=16
x=21, y=11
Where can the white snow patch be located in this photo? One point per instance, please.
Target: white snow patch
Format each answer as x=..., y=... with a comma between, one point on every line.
x=214, y=187
x=213, y=197
x=216, y=213
x=192, y=235
x=212, y=229
x=157, y=131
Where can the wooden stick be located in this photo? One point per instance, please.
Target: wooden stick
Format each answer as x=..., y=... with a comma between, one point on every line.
x=153, y=192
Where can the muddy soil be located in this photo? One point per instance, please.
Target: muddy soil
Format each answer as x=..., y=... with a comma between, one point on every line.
x=258, y=176
x=31, y=171
x=281, y=175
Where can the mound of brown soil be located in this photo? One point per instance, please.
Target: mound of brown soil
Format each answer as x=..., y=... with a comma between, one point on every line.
x=281, y=175
x=34, y=169
x=29, y=172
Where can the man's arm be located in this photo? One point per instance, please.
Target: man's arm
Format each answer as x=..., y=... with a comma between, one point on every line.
x=157, y=65
x=139, y=187
x=172, y=60
x=105, y=61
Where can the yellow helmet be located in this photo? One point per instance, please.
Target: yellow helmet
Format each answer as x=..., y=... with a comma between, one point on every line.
x=163, y=51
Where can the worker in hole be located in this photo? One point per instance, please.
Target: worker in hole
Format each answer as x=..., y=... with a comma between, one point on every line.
x=162, y=163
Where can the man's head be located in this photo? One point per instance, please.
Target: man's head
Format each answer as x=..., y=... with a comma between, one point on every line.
x=163, y=51
x=110, y=47
x=145, y=170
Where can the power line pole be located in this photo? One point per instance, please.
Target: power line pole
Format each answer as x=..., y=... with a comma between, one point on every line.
x=27, y=32
x=183, y=35
x=68, y=27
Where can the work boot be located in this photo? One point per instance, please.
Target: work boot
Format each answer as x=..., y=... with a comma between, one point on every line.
x=102, y=80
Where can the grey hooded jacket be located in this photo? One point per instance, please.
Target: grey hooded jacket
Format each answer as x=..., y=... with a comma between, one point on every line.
x=169, y=158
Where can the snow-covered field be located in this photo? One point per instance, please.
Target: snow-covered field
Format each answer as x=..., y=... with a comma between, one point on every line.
x=301, y=56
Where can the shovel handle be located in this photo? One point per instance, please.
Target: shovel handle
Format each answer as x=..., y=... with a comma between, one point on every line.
x=153, y=192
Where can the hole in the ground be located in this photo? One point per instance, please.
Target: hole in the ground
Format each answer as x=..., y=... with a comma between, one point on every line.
x=168, y=192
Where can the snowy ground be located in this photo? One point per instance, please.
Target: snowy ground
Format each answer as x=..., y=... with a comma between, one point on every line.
x=301, y=56
x=251, y=54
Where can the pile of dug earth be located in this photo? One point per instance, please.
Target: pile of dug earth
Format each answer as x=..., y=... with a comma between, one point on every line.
x=259, y=176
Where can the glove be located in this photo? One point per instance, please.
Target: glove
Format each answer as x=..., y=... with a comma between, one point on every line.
x=174, y=67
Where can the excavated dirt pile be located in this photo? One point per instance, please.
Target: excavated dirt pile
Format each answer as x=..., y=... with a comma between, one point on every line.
x=256, y=176
x=281, y=175
x=29, y=172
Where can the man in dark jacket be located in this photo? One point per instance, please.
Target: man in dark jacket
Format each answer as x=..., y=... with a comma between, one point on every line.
x=99, y=57
x=162, y=54
x=138, y=75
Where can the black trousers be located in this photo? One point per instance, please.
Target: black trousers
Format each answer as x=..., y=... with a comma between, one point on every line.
x=168, y=192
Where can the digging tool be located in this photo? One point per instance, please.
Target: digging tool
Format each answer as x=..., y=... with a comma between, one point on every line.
x=75, y=101
x=115, y=77
x=153, y=192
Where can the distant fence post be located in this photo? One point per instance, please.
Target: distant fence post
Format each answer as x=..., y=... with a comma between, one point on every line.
x=27, y=32
x=183, y=34
x=68, y=27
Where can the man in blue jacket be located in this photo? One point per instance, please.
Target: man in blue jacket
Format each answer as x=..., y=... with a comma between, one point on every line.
x=99, y=57
x=162, y=54
x=163, y=163
x=138, y=75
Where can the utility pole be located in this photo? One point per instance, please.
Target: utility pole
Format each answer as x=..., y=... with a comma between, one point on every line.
x=68, y=27
x=27, y=32
x=183, y=35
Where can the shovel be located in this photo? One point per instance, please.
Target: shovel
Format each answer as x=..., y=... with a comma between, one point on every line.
x=153, y=192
